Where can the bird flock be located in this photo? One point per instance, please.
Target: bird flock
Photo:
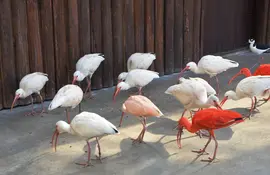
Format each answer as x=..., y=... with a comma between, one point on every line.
x=193, y=93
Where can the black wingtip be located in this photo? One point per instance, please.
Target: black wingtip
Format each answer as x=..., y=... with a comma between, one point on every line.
x=238, y=119
x=116, y=131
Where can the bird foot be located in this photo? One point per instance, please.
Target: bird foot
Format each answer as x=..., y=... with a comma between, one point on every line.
x=138, y=140
x=86, y=164
x=208, y=160
x=43, y=112
x=201, y=152
x=88, y=96
x=31, y=113
x=99, y=158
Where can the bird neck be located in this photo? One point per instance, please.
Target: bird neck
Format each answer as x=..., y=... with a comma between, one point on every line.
x=188, y=125
x=197, y=70
x=234, y=96
x=66, y=128
x=125, y=86
x=247, y=73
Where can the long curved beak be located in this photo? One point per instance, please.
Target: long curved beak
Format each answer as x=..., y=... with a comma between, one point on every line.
x=116, y=92
x=74, y=79
x=14, y=101
x=223, y=101
x=236, y=75
x=55, y=134
x=217, y=105
x=186, y=68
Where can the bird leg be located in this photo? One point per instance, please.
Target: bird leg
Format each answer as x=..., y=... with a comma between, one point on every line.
x=265, y=100
x=88, y=163
x=121, y=119
x=140, y=90
x=88, y=87
x=99, y=151
x=217, y=85
x=139, y=139
x=215, y=152
x=67, y=114
x=33, y=111
x=202, y=151
x=251, y=109
x=42, y=103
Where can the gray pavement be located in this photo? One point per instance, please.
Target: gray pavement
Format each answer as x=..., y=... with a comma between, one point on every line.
x=244, y=149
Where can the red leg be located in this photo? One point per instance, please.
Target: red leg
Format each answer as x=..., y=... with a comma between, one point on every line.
x=178, y=140
x=217, y=85
x=88, y=163
x=144, y=129
x=216, y=146
x=201, y=151
x=99, y=150
x=139, y=138
x=33, y=111
x=121, y=119
x=67, y=114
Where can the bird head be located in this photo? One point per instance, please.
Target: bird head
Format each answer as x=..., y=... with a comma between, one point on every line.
x=214, y=101
x=190, y=66
x=122, y=77
x=18, y=94
x=77, y=76
x=251, y=41
x=61, y=127
x=228, y=95
x=118, y=88
x=243, y=71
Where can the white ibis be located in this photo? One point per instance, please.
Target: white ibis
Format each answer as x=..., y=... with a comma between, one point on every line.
x=137, y=61
x=86, y=67
x=192, y=94
x=257, y=48
x=69, y=96
x=141, y=107
x=136, y=78
x=86, y=125
x=30, y=84
x=250, y=87
x=211, y=65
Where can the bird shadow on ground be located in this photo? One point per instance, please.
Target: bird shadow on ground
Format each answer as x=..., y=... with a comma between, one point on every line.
x=244, y=111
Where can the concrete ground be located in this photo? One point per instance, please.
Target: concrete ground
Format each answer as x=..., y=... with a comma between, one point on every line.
x=244, y=149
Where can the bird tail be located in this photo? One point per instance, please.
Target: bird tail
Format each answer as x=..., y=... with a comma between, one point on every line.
x=56, y=103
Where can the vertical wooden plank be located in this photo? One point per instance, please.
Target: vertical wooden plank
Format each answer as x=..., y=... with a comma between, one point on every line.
x=73, y=37
x=96, y=40
x=261, y=20
x=196, y=30
x=150, y=27
x=1, y=85
x=19, y=15
x=188, y=30
x=117, y=28
x=139, y=25
x=8, y=74
x=169, y=36
x=268, y=27
x=84, y=31
x=60, y=43
x=159, y=34
x=47, y=38
x=203, y=8
x=107, y=43
x=35, y=52
x=129, y=33
x=178, y=34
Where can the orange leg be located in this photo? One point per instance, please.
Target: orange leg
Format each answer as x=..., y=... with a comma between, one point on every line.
x=139, y=139
x=88, y=163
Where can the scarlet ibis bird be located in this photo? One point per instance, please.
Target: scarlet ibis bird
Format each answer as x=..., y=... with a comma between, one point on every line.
x=211, y=65
x=137, y=61
x=250, y=87
x=193, y=94
x=69, y=96
x=257, y=48
x=31, y=84
x=136, y=78
x=263, y=69
x=86, y=67
x=141, y=107
x=86, y=125
x=208, y=119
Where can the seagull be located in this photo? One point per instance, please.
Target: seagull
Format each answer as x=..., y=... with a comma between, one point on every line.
x=257, y=48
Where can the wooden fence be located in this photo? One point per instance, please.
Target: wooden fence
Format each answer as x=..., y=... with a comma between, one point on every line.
x=51, y=35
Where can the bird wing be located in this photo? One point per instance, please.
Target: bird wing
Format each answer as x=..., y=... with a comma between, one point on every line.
x=33, y=82
x=214, y=118
x=210, y=90
x=140, y=61
x=89, y=63
x=88, y=124
x=263, y=69
x=140, y=77
x=216, y=64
